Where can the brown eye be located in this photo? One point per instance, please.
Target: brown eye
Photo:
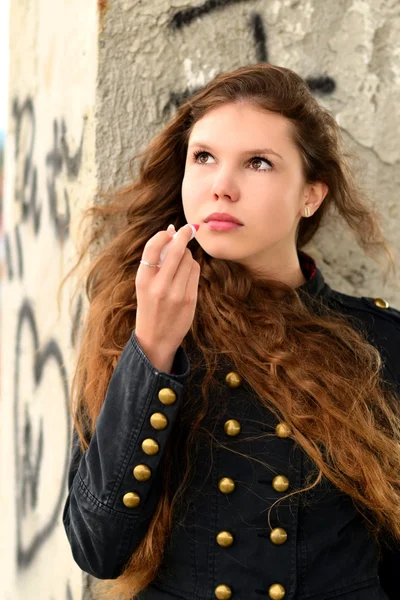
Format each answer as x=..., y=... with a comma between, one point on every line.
x=203, y=157
x=256, y=163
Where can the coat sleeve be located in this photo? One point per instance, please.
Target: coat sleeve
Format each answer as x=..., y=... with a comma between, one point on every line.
x=102, y=531
x=389, y=572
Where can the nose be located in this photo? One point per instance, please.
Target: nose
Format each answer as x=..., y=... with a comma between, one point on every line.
x=224, y=187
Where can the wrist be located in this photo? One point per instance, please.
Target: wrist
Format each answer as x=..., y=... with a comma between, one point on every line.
x=161, y=358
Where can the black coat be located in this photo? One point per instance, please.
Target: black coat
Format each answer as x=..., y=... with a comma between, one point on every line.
x=222, y=546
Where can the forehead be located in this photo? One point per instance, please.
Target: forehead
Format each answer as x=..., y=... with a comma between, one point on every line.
x=242, y=123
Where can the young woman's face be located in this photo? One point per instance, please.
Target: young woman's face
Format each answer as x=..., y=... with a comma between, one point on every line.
x=242, y=161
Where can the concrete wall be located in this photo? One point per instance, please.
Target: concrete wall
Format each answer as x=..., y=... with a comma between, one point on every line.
x=89, y=86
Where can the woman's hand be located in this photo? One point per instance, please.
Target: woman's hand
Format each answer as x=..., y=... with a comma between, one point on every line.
x=166, y=296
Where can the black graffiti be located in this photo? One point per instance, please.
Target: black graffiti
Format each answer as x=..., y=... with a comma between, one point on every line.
x=322, y=84
x=8, y=257
x=88, y=592
x=55, y=160
x=58, y=158
x=29, y=457
x=188, y=15
x=26, y=188
x=20, y=255
x=177, y=98
x=72, y=162
x=31, y=463
x=260, y=37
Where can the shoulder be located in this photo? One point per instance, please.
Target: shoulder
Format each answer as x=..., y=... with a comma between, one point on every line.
x=376, y=307
x=378, y=319
x=374, y=310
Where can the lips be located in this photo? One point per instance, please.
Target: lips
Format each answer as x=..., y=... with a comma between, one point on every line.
x=222, y=225
x=223, y=217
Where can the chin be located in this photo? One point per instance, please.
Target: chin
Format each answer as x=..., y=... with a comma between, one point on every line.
x=222, y=255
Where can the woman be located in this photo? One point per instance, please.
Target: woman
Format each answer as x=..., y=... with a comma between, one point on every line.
x=236, y=419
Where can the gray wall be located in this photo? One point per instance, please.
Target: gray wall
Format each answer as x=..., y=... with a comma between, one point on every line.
x=89, y=86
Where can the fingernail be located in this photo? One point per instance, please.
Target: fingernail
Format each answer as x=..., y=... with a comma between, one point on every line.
x=171, y=228
x=194, y=230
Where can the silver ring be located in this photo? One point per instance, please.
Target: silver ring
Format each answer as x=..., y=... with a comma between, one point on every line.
x=144, y=262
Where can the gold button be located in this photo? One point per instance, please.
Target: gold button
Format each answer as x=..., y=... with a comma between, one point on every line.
x=141, y=473
x=167, y=396
x=150, y=446
x=278, y=536
x=223, y=592
x=232, y=427
x=226, y=485
x=233, y=379
x=280, y=483
x=381, y=303
x=224, y=539
x=277, y=591
x=131, y=500
x=283, y=430
x=158, y=421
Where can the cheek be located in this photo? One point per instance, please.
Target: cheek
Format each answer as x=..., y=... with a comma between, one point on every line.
x=192, y=187
x=188, y=199
x=185, y=190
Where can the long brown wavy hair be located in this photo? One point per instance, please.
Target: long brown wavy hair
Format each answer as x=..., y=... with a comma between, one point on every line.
x=310, y=367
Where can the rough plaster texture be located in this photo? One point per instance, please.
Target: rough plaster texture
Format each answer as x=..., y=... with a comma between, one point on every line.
x=72, y=131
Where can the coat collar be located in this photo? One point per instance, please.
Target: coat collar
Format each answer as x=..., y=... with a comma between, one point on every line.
x=315, y=285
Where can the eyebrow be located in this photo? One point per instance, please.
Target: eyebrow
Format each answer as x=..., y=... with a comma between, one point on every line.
x=245, y=152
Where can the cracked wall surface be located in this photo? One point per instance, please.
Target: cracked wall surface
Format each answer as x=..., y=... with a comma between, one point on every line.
x=90, y=84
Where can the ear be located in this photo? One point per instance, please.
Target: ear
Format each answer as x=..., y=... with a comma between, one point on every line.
x=314, y=194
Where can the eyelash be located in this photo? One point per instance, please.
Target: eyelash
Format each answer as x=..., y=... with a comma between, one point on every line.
x=197, y=153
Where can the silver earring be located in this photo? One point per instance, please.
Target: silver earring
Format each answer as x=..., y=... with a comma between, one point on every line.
x=307, y=211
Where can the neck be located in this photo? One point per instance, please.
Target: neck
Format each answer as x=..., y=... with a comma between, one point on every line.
x=283, y=266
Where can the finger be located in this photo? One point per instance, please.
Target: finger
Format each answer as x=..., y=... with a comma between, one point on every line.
x=176, y=251
x=179, y=282
x=192, y=286
x=151, y=254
